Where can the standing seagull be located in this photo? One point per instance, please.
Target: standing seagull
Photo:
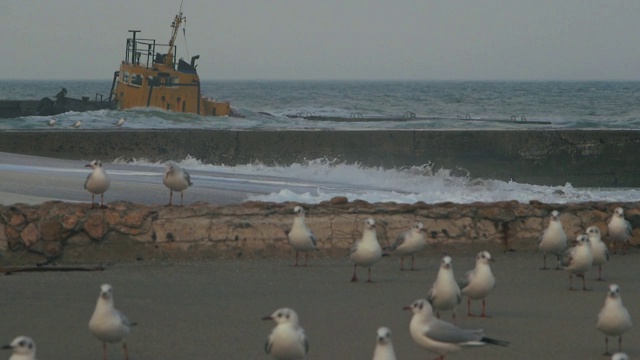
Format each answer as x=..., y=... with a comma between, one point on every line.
x=409, y=243
x=578, y=259
x=613, y=319
x=120, y=122
x=300, y=237
x=442, y=337
x=24, y=348
x=479, y=282
x=598, y=249
x=445, y=293
x=619, y=230
x=76, y=124
x=51, y=122
x=97, y=182
x=287, y=340
x=384, y=346
x=366, y=251
x=553, y=239
x=176, y=179
x=108, y=324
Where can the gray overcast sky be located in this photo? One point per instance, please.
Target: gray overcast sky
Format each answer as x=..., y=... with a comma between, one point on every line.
x=332, y=39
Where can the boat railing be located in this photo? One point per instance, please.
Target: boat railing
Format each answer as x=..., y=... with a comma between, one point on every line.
x=145, y=51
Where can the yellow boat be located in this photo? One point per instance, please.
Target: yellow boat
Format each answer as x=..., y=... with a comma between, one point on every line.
x=150, y=77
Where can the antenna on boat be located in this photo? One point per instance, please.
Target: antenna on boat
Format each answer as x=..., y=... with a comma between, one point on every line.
x=175, y=25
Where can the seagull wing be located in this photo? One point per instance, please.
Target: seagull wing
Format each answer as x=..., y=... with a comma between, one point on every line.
x=304, y=341
x=400, y=239
x=187, y=177
x=313, y=239
x=87, y=180
x=445, y=332
x=466, y=280
x=627, y=226
x=267, y=345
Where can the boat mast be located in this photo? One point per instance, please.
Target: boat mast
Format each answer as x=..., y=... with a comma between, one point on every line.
x=175, y=25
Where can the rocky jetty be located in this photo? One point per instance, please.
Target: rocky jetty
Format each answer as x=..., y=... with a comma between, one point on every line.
x=124, y=231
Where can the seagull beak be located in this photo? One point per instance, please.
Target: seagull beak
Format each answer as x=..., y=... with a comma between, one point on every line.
x=492, y=260
x=267, y=318
x=7, y=347
x=406, y=308
x=88, y=165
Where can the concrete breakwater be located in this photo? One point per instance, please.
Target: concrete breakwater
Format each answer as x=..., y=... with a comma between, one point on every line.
x=594, y=158
x=76, y=233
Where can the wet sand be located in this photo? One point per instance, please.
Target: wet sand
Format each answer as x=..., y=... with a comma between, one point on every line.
x=212, y=310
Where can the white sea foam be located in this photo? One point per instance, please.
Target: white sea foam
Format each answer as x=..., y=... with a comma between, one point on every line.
x=321, y=179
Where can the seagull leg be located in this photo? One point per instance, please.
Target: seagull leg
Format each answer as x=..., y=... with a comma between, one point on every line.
x=620, y=343
x=102, y=201
x=170, y=197
x=104, y=350
x=483, y=309
x=306, y=258
x=600, y=274
x=544, y=262
x=401, y=263
x=469, y=307
x=369, y=277
x=584, y=285
x=570, y=279
x=92, y=200
x=296, y=264
x=126, y=351
x=354, y=278
x=181, y=196
x=558, y=263
x=413, y=259
x=606, y=345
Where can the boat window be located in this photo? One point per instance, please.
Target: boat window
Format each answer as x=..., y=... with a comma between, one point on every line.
x=136, y=80
x=153, y=80
x=173, y=81
x=125, y=77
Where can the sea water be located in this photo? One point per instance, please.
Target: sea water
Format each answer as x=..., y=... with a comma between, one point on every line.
x=437, y=105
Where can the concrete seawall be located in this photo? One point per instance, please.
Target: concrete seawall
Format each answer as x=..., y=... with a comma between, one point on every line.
x=594, y=158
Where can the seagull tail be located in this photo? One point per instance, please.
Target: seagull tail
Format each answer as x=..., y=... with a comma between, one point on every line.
x=491, y=341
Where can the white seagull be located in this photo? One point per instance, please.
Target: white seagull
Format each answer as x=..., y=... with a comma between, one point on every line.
x=76, y=124
x=619, y=356
x=409, y=243
x=384, y=346
x=108, y=324
x=120, y=122
x=479, y=282
x=553, y=240
x=578, y=259
x=176, y=179
x=613, y=319
x=619, y=230
x=24, y=348
x=366, y=251
x=287, y=340
x=445, y=293
x=51, y=122
x=442, y=337
x=300, y=237
x=97, y=182
x=599, y=249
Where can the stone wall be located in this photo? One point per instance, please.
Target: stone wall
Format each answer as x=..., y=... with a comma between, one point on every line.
x=76, y=233
x=585, y=158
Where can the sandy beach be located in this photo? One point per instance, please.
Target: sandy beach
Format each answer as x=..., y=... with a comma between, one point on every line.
x=212, y=310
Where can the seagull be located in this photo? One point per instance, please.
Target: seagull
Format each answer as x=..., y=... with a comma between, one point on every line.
x=24, y=348
x=479, y=282
x=619, y=230
x=51, y=122
x=613, y=319
x=442, y=337
x=76, y=124
x=108, y=324
x=176, y=179
x=97, y=182
x=300, y=237
x=120, y=122
x=598, y=249
x=409, y=243
x=619, y=356
x=553, y=239
x=287, y=340
x=578, y=259
x=366, y=251
x=445, y=293
x=384, y=346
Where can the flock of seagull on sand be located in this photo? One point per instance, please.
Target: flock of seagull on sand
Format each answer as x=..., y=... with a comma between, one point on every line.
x=288, y=341
x=77, y=124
